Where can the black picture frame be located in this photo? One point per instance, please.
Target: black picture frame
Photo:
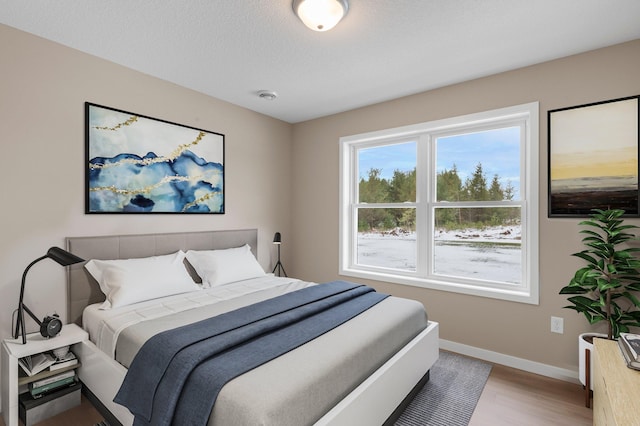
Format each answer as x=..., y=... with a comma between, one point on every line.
x=136, y=164
x=593, y=158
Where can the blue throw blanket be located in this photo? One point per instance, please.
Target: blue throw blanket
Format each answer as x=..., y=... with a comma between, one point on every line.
x=176, y=376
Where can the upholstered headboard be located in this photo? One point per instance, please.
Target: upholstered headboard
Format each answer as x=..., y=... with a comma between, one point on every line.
x=83, y=290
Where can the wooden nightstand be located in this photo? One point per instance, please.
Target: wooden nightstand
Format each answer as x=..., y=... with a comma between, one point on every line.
x=13, y=349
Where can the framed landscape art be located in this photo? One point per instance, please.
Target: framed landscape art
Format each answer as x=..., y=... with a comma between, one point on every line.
x=138, y=164
x=593, y=158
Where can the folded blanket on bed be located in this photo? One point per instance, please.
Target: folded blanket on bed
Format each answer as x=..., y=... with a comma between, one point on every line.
x=177, y=375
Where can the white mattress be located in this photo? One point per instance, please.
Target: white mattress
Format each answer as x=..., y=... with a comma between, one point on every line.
x=104, y=325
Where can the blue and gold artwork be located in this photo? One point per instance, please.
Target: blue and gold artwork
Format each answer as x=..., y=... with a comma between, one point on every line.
x=138, y=164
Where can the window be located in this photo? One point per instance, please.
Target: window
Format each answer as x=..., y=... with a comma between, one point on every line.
x=450, y=204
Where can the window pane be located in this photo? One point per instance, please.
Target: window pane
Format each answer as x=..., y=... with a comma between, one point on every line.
x=479, y=166
x=480, y=243
x=387, y=238
x=387, y=174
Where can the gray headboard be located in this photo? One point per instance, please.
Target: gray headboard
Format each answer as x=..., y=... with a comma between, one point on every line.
x=83, y=290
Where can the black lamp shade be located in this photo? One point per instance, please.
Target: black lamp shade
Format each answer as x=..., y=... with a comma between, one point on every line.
x=277, y=238
x=63, y=257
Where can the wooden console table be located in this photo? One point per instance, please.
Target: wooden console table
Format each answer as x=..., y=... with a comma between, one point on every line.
x=616, y=388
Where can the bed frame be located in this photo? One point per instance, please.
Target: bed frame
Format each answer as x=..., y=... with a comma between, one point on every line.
x=377, y=400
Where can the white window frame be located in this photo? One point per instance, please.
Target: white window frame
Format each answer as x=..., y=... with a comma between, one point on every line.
x=424, y=133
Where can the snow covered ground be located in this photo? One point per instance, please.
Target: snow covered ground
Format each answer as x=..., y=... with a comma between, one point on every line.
x=490, y=254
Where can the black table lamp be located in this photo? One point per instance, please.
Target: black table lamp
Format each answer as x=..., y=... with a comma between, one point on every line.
x=277, y=240
x=50, y=326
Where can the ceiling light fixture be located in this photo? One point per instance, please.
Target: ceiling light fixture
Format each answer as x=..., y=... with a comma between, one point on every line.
x=267, y=94
x=320, y=15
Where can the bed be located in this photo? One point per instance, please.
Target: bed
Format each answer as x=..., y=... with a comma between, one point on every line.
x=334, y=379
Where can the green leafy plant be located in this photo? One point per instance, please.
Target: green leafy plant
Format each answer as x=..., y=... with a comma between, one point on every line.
x=605, y=287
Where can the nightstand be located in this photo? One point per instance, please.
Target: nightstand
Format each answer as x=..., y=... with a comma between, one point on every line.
x=13, y=349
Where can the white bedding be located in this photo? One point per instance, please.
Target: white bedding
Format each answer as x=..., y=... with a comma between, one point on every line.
x=300, y=386
x=104, y=325
x=344, y=389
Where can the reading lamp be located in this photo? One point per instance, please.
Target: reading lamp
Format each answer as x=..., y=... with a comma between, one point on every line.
x=277, y=240
x=49, y=326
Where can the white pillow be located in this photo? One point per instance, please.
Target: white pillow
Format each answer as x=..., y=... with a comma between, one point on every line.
x=219, y=267
x=128, y=281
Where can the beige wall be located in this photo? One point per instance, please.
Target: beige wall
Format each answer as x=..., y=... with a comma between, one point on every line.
x=510, y=328
x=43, y=87
x=280, y=177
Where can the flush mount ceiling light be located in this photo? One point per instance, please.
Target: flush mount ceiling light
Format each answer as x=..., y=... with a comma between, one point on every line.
x=320, y=15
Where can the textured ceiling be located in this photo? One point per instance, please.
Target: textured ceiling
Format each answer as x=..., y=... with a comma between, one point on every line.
x=382, y=50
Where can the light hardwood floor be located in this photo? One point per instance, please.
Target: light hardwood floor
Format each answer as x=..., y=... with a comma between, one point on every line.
x=514, y=397
x=510, y=398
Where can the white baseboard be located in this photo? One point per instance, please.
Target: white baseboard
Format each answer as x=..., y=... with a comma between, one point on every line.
x=512, y=361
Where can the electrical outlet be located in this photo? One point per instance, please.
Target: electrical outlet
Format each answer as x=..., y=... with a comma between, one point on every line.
x=557, y=325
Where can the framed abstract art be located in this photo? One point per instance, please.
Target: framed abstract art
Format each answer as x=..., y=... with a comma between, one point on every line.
x=137, y=164
x=593, y=158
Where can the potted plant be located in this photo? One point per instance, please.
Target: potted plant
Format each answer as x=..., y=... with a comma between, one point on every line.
x=604, y=288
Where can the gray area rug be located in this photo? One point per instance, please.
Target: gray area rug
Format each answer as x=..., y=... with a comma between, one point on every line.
x=451, y=394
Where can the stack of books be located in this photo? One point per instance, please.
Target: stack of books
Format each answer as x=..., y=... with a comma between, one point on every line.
x=34, y=364
x=65, y=361
x=630, y=347
x=47, y=385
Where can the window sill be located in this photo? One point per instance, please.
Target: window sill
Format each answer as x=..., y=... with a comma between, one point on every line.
x=461, y=288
